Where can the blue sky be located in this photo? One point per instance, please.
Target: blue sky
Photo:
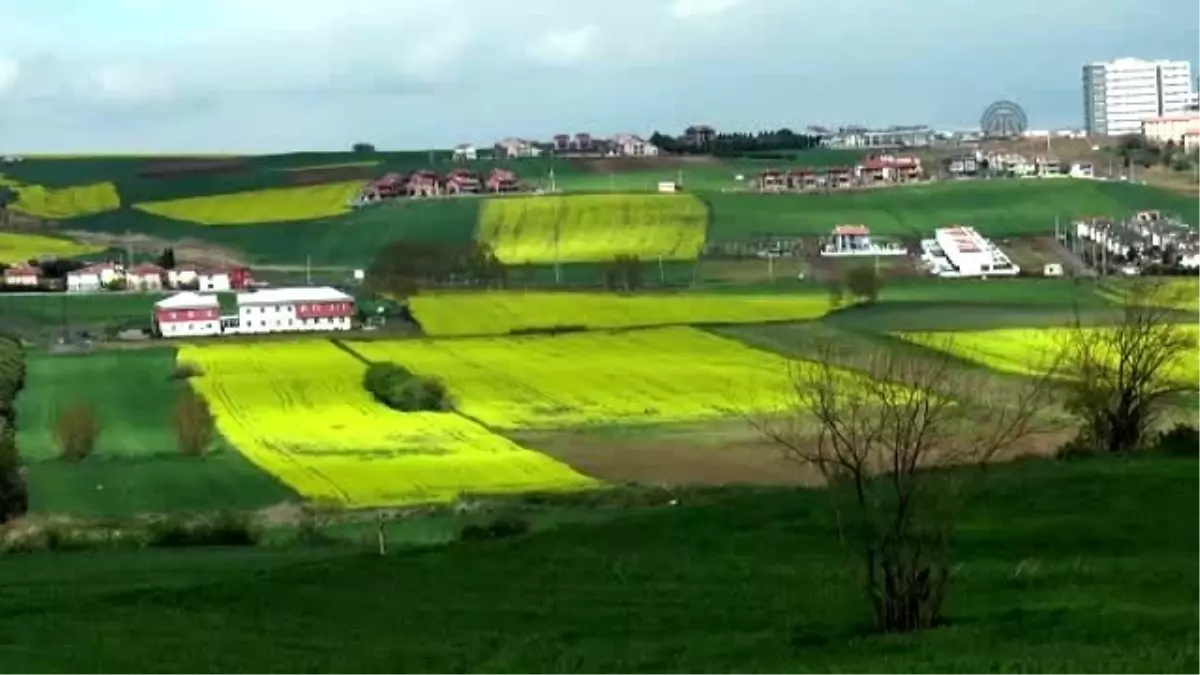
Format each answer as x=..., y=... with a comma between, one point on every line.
x=278, y=75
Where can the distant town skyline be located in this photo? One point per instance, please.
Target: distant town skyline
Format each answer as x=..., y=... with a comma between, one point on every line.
x=272, y=76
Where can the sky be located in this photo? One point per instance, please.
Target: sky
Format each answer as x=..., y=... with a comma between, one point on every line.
x=79, y=76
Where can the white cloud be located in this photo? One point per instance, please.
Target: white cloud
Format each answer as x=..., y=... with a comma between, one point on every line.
x=565, y=47
x=687, y=9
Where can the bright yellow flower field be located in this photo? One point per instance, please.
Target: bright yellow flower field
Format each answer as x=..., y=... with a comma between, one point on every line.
x=260, y=206
x=657, y=375
x=1024, y=351
x=63, y=203
x=499, y=313
x=592, y=228
x=298, y=410
x=16, y=247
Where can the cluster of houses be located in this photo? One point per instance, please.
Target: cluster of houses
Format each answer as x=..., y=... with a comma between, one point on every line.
x=277, y=310
x=578, y=145
x=111, y=276
x=1148, y=238
x=427, y=183
x=1014, y=165
x=875, y=170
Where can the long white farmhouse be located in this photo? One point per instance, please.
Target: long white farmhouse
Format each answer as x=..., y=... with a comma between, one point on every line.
x=278, y=310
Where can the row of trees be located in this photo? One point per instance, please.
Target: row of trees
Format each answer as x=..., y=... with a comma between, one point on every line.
x=734, y=144
x=882, y=436
x=402, y=267
x=78, y=429
x=1136, y=149
x=14, y=496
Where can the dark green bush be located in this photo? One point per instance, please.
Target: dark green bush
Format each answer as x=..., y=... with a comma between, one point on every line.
x=500, y=528
x=1181, y=440
x=399, y=389
x=225, y=529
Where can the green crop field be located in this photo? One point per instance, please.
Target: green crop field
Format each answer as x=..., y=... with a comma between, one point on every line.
x=1061, y=567
x=999, y=208
x=593, y=227
x=135, y=466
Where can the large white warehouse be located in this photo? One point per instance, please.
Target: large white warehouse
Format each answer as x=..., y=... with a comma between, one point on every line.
x=962, y=252
x=278, y=310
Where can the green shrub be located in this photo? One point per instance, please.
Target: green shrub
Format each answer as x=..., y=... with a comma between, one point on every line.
x=500, y=528
x=76, y=431
x=1181, y=440
x=224, y=529
x=399, y=389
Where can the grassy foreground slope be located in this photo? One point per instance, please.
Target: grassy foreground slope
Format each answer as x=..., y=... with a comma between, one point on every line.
x=589, y=228
x=1065, y=567
x=1000, y=208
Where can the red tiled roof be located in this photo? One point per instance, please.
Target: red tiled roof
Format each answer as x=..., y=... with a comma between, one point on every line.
x=147, y=268
x=852, y=230
x=95, y=268
x=23, y=270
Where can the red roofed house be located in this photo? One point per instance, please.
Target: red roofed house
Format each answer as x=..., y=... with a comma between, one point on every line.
x=801, y=179
x=461, y=181
x=424, y=183
x=502, y=180
x=94, y=277
x=146, y=277
x=771, y=180
x=889, y=168
x=22, y=274
x=839, y=176
x=188, y=314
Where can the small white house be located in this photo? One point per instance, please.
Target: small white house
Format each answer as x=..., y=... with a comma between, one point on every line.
x=516, y=148
x=1083, y=170
x=182, y=276
x=188, y=314
x=1052, y=270
x=465, y=152
x=145, y=277
x=94, y=277
x=22, y=275
x=668, y=186
x=213, y=281
x=632, y=145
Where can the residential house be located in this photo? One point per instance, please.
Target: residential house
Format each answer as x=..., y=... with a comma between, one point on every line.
x=424, y=183
x=214, y=280
x=632, y=145
x=889, y=168
x=465, y=152
x=1082, y=170
x=699, y=135
x=801, y=179
x=517, y=148
x=146, y=277
x=582, y=142
x=502, y=180
x=1172, y=128
x=462, y=181
x=94, y=277
x=562, y=142
x=183, y=276
x=963, y=165
x=188, y=314
x=22, y=274
x=839, y=177
x=771, y=180
x=389, y=186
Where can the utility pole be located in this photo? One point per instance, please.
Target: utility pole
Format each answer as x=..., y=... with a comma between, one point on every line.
x=553, y=185
x=771, y=266
x=557, y=265
x=308, y=270
x=662, y=274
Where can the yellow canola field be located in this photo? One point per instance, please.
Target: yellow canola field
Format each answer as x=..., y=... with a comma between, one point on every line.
x=593, y=228
x=499, y=313
x=1026, y=351
x=298, y=410
x=656, y=375
x=66, y=202
x=16, y=247
x=260, y=206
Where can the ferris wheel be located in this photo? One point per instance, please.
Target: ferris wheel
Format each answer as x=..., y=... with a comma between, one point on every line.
x=1003, y=119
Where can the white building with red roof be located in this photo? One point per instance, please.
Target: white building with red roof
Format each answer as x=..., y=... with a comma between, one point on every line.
x=855, y=240
x=188, y=314
x=146, y=277
x=22, y=274
x=281, y=310
x=94, y=277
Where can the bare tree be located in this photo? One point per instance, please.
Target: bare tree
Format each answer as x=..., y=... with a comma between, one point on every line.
x=195, y=426
x=881, y=435
x=76, y=430
x=1119, y=377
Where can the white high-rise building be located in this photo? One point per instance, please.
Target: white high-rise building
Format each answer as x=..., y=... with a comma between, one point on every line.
x=1118, y=95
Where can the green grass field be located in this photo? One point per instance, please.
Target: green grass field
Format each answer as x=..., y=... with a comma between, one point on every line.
x=1063, y=567
x=999, y=208
x=136, y=467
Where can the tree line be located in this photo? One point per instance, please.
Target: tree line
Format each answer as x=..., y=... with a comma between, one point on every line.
x=737, y=143
x=14, y=494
